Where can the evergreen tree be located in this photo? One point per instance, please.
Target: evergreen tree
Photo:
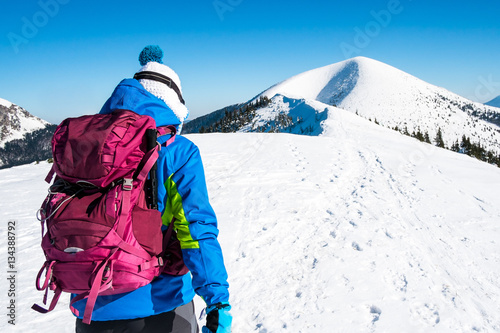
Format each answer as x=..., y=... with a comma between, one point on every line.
x=490, y=157
x=34, y=146
x=419, y=136
x=426, y=137
x=465, y=145
x=439, y=138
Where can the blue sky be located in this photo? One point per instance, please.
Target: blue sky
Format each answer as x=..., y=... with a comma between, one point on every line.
x=61, y=58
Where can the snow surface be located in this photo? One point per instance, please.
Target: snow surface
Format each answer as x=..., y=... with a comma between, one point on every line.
x=360, y=229
x=5, y=103
x=375, y=90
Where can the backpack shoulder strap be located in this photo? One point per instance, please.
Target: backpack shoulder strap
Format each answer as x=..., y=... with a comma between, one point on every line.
x=50, y=175
x=167, y=130
x=153, y=146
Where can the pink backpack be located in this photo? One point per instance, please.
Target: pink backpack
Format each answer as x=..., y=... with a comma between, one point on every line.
x=103, y=231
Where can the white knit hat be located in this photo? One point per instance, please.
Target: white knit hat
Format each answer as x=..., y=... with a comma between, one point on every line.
x=166, y=86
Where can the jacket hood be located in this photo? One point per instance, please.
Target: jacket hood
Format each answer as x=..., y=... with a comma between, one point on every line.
x=131, y=95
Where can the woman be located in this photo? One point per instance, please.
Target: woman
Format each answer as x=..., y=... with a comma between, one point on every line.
x=166, y=304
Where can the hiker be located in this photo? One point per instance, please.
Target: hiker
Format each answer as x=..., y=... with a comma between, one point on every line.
x=166, y=304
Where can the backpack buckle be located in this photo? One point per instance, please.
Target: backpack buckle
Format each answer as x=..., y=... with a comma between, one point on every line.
x=127, y=184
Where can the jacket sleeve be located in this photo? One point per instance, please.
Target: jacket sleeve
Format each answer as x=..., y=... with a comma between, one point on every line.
x=186, y=200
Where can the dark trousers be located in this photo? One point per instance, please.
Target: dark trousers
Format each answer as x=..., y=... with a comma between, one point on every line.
x=180, y=320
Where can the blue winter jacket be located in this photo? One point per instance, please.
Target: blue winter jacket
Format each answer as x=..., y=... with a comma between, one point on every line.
x=182, y=194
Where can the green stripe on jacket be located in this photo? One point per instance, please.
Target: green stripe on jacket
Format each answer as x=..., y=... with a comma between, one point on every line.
x=174, y=208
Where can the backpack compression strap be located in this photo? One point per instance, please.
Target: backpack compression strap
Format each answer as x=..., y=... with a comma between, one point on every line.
x=146, y=75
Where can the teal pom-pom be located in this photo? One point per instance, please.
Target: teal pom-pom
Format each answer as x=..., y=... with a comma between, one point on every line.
x=151, y=53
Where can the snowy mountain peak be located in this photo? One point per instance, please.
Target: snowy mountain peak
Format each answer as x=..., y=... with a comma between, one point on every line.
x=396, y=99
x=333, y=83
x=15, y=122
x=311, y=84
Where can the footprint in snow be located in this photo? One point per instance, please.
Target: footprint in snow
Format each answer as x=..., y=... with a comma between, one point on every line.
x=426, y=313
x=376, y=312
x=356, y=246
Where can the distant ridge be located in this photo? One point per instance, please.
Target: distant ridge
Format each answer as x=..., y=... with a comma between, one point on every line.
x=15, y=122
x=375, y=91
x=495, y=102
x=24, y=138
x=194, y=126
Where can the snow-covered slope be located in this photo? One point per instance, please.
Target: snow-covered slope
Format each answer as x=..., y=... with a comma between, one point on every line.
x=494, y=102
x=15, y=122
x=360, y=229
x=394, y=98
x=6, y=103
x=284, y=114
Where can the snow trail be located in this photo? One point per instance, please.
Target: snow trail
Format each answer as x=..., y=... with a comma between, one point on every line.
x=358, y=230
